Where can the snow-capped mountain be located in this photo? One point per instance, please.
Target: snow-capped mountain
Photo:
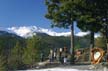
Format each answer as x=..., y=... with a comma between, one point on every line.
x=33, y=30
x=29, y=31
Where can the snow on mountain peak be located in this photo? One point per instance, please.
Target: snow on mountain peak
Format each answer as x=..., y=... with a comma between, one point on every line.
x=21, y=31
x=28, y=31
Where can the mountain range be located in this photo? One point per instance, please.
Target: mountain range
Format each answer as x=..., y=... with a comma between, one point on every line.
x=10, y=36
x=29, y=31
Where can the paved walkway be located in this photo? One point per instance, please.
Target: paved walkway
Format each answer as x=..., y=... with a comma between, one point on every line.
x=98, y=67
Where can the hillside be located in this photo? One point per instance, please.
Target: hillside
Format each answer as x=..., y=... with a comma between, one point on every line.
x=27, y=51
x=8, y=40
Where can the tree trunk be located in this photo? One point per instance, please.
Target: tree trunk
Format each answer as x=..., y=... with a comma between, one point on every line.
x=106, y=35
x=92, y=40
x=72, y=43
x=106, y=43
x=91, y=43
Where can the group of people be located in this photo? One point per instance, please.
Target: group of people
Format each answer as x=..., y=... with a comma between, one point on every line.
x=59, y=55
x=63, y=56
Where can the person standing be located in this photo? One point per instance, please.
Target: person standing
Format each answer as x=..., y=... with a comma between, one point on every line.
x=51, y=55
x=65, y=60
x=60, y=55
x=42, y=57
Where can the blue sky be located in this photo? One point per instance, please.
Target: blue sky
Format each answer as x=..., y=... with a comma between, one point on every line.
x=24, y=13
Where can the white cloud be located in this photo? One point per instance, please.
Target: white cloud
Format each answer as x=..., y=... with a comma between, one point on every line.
x=81, y=34
x=97, y=35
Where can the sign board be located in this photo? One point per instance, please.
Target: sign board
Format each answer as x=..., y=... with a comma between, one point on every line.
x=96, y=55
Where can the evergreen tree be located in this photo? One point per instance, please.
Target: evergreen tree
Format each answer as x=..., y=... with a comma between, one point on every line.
x=31, y=52
x=3, y=64
x=89, y=20
x=98, y=9
x=63, y=13
x=15, y=57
